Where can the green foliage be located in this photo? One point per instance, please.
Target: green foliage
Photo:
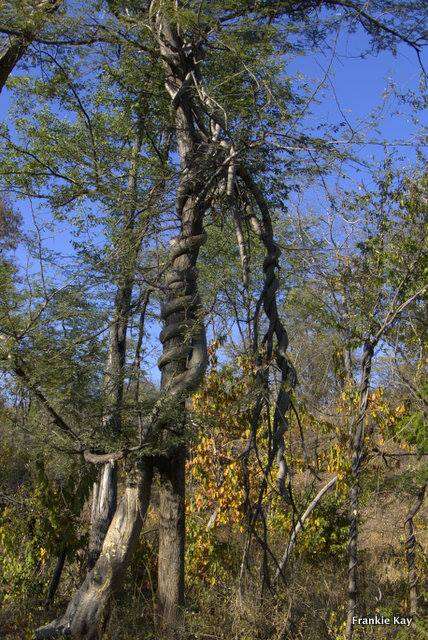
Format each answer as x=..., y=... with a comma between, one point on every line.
x=23, y=557
x=41, y=520
x=212, y=557
x=326, y=532
x=412, y=430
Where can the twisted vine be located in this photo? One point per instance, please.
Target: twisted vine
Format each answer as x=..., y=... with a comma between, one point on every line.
x=275, y=343
x=183, y=360
x=276, y=329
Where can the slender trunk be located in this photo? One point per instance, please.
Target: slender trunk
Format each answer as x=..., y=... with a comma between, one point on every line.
x=411, y=550
x=105, y=490
x=59, y=566
x=127, y=250
x=275, y=343
x=88, y=611
x=104, y=499
x=357, y=457
x=114, y=372
x=104, y=495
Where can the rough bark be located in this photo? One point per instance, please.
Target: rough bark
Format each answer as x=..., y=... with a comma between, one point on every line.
x=411, y=550
x=88, y=611
x=171, y=542
x=182, y=363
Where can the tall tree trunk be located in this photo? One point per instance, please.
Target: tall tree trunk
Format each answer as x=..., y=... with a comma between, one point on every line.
x=411, y=550
x=182, y=364
x=184, y=357
x=357, y=458
x=88, y=611
x=114, y=531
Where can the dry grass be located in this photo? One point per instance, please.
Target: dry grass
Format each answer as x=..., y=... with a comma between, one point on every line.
x=313, y=604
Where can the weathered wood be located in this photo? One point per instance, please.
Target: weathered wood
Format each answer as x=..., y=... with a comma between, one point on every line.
x=104, y=499
x=88, y=612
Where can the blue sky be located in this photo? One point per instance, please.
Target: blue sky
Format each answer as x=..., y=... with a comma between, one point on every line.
x=354, y=90
x=363, y=92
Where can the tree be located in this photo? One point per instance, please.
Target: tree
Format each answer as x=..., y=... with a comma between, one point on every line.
x=366, y=284
x=176, y=108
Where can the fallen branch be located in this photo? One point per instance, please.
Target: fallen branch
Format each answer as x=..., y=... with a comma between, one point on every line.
x=300, y=524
